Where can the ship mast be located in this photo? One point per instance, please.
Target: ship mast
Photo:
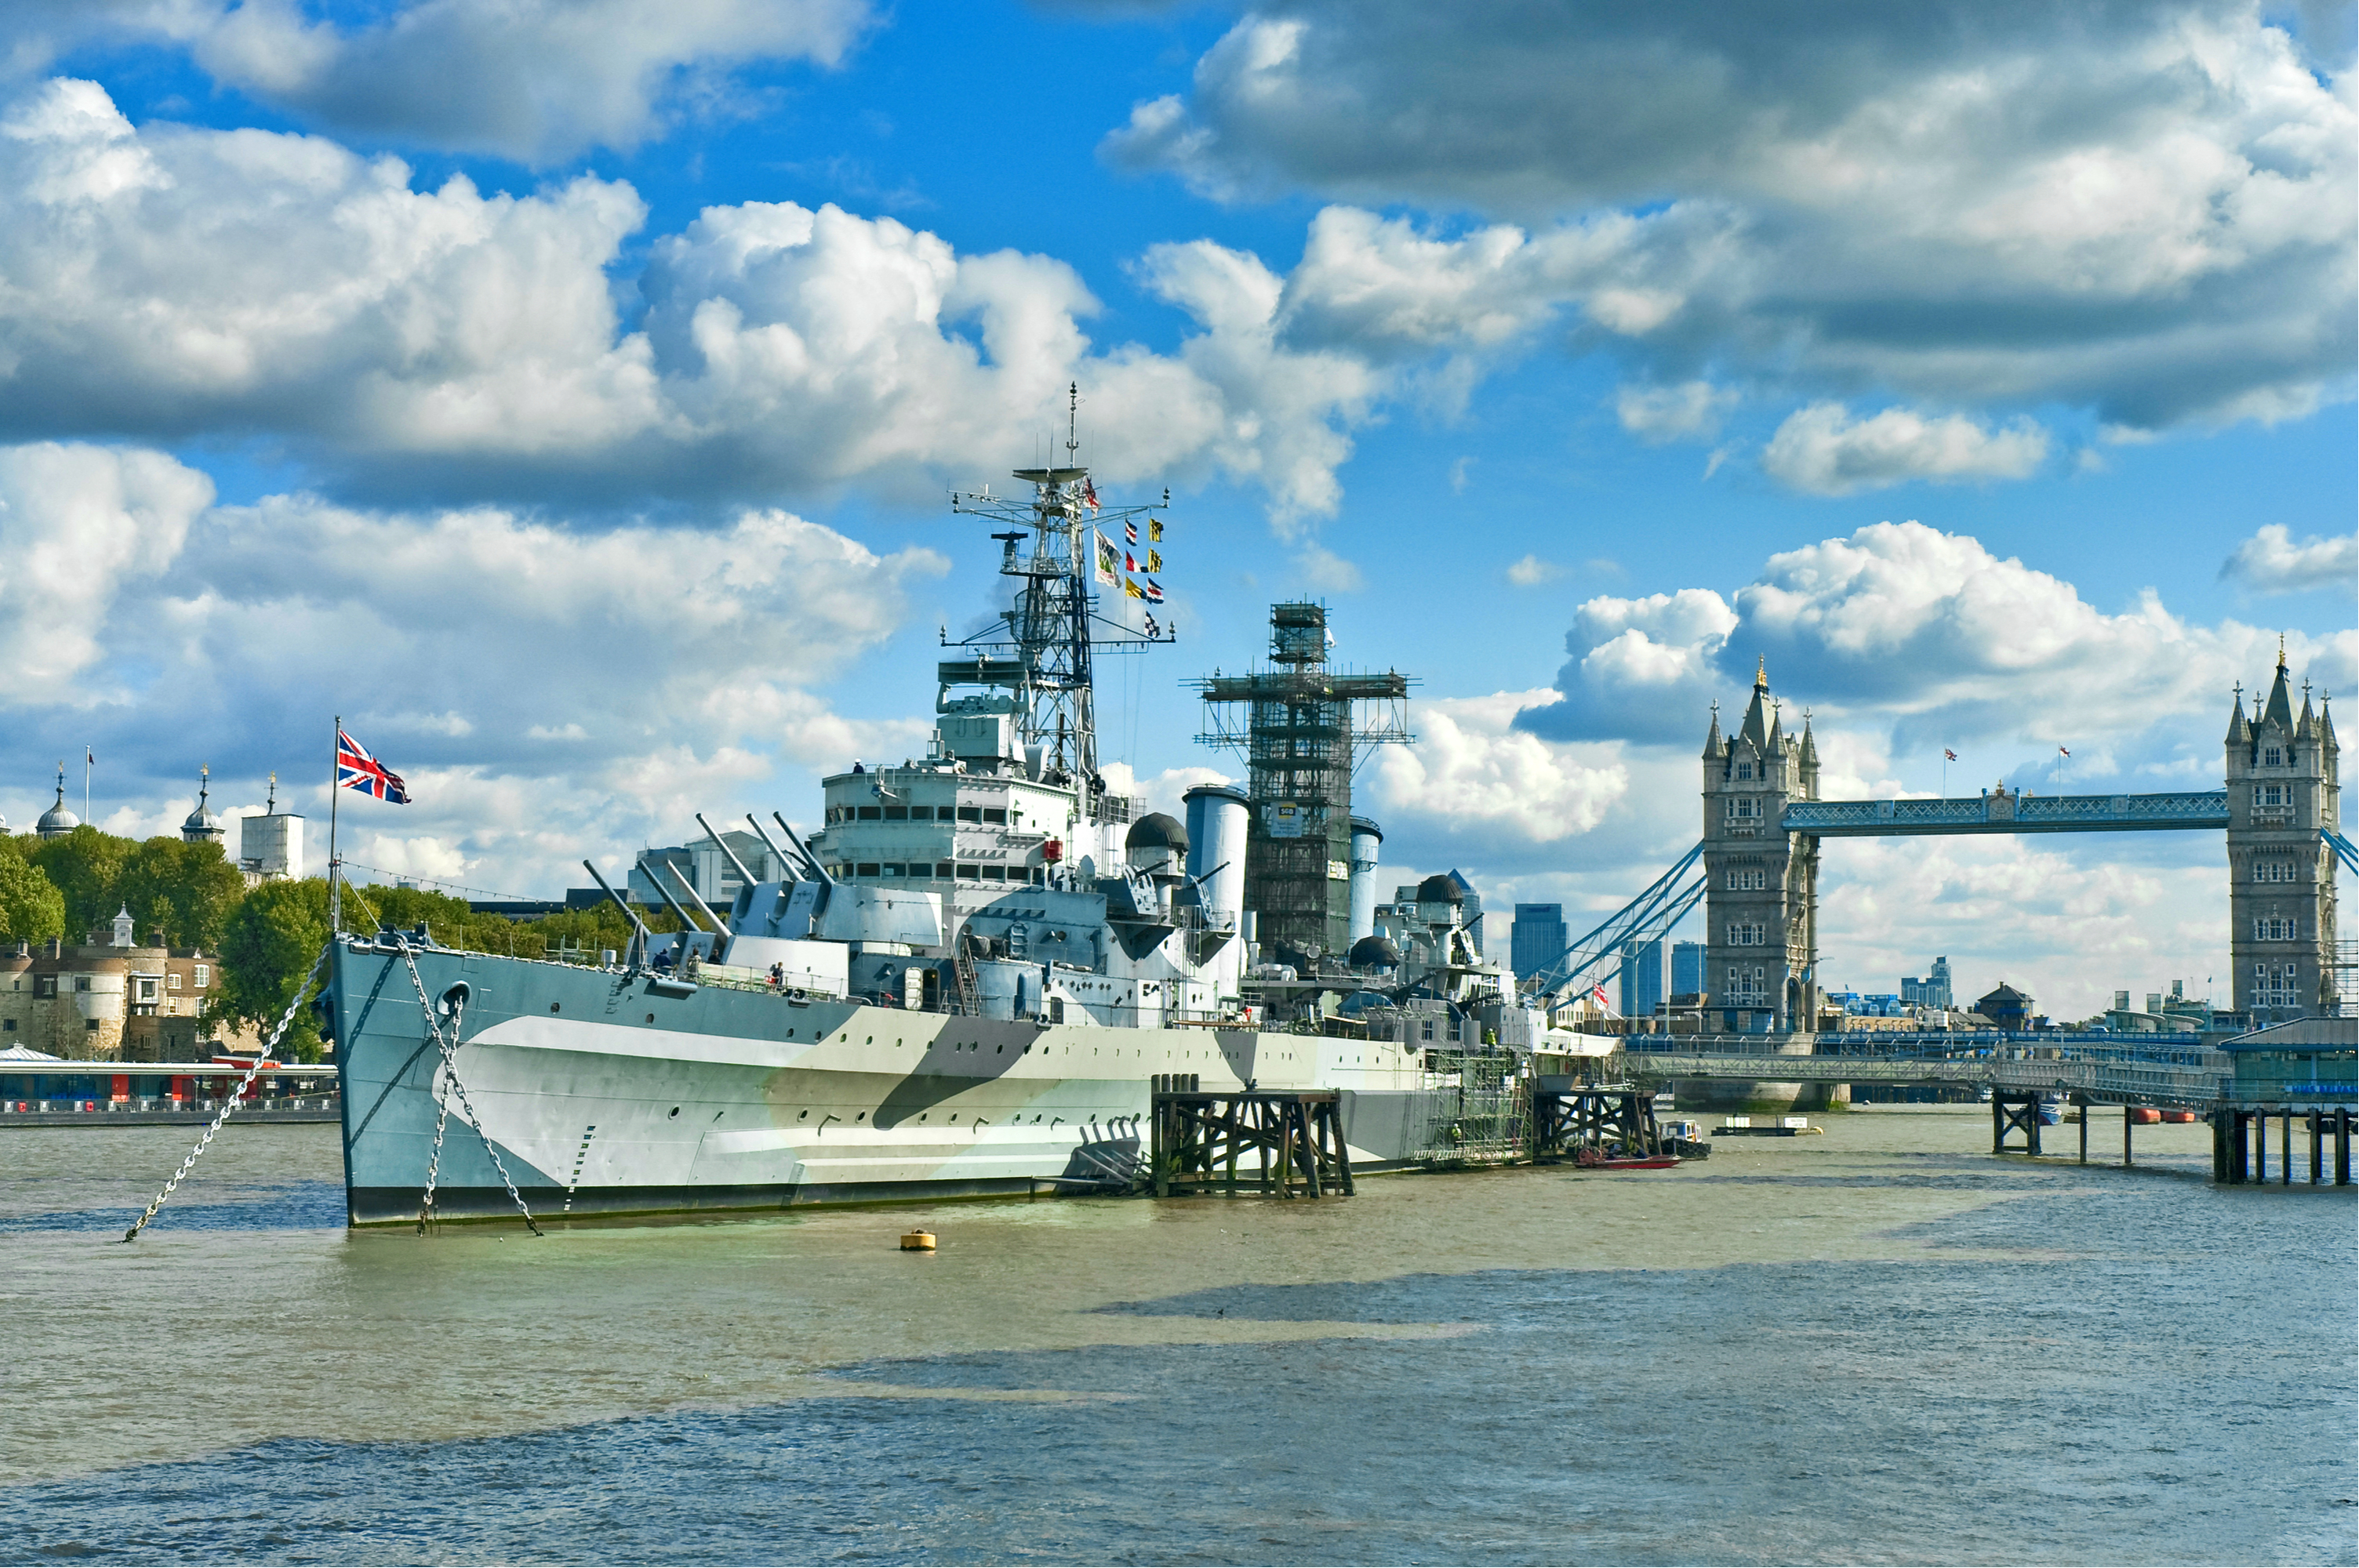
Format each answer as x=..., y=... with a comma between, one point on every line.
x=1041, y=651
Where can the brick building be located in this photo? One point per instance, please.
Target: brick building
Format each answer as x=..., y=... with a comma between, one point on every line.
x=111, y=1000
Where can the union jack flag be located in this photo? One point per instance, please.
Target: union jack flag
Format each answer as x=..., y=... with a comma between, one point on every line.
x=356, y=768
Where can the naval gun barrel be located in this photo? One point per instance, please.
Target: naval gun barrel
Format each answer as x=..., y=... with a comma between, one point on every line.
x=628, y=913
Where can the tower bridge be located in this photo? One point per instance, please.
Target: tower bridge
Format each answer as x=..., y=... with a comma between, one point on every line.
x=1763, y=822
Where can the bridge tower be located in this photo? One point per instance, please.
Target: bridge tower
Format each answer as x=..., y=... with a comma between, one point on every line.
x=1761, y=941
x=2282, y=789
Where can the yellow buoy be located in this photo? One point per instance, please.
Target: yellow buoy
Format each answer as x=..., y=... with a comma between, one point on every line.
x=916, y=1241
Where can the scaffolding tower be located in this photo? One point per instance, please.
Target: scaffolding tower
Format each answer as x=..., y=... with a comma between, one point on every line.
x=1306, y=728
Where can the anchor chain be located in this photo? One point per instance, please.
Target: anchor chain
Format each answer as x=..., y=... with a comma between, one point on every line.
x=448, y=1048
x=442, y=1121
x=236, y=1095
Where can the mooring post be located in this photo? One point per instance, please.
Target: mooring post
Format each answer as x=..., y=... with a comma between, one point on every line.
x=2220, y=1146
x=2085, y=1109
x=2284, y=1146
x=2343, y=1149
x=1998, y=1126
x=2129, y=1119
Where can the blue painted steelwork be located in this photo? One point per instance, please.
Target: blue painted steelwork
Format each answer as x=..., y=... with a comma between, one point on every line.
x=1648, y=917
x=2008, y=814
x=2344, y=850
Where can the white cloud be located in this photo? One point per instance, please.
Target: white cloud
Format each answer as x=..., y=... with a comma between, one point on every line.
x=1323, y=570
x=1471, y=773
x=1531, y=572
x=468, y=649
x=1929, y=639
x=2270, y=562
x=531, y=80
x=175, y=281
x=1823, y=450
x=78, y=525
x=1691, y=411
x=2148, y=211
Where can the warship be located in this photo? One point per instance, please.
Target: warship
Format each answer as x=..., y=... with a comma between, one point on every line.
x=964, y=983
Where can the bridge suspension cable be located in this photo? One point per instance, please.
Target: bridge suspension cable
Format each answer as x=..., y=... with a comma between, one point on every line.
x=1650, y=915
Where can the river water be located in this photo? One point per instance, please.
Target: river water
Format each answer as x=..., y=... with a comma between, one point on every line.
x=1878, y=1345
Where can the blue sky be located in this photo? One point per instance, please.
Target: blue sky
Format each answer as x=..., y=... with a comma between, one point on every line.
x=564, y=392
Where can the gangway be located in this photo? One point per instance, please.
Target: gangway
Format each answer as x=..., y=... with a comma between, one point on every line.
x=1650, y=915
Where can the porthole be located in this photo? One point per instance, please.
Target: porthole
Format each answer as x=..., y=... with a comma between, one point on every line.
x=552, y=1007
x=675, y=1111
x=802, y=1116
x=651, y=1018
x=921, y=1116
x=862, y=1116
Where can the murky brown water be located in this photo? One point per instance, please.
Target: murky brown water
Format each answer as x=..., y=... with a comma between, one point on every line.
x=246, y=1315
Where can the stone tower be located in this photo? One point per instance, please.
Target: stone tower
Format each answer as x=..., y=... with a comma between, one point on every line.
x=1761, y=941
x=2282, y=789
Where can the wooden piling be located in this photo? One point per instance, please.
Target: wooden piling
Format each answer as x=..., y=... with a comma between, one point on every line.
x=2128, y=1121
x=2284, y=1146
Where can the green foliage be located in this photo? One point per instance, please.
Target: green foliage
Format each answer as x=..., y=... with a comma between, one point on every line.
x=85, y=866
x=266, y=947
x=187, y=890
x=30, y=906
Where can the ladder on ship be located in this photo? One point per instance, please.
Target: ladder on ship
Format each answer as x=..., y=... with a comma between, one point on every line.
x=970, y=1000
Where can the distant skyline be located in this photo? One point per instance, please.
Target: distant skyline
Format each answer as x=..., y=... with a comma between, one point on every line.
x=567, y=393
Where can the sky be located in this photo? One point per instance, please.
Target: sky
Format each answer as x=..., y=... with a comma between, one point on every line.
x=566, y=393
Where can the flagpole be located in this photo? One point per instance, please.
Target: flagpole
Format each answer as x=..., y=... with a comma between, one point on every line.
x=335, y=868
x=86, y=760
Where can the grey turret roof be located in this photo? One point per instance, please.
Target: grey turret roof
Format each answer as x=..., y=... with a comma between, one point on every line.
x=1777, y=727
x=2326, y=723
x=2240, y=733
x=1154, y=830
x=1712, y=744
x=203, y=823
x=2306, y=726
x=1809, y=745
x=1755, y=728
x=57, y=821
x=2280, y=709
x=1439, y=889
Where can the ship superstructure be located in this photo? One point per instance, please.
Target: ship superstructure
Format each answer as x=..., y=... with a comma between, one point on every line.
x=964, y=984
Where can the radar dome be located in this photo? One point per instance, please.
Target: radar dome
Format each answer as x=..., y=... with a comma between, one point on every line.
x=1375, y=953
x=1439, y=889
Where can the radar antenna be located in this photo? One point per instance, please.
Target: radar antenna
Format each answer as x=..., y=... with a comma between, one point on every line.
x=1036, y=661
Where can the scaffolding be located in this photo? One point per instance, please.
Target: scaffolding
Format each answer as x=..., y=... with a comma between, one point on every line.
x=1306, y=728
x=1478, y=1108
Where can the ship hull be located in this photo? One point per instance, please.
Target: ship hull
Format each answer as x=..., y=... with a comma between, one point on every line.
x=607, y=1093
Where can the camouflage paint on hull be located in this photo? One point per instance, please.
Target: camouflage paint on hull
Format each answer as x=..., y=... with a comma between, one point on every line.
x=613, y=1094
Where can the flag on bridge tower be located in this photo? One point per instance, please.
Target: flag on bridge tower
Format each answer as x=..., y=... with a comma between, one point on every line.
x=1948, y=756
x=2062, y=751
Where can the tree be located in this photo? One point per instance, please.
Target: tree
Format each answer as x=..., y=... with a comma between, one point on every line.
x=31, y=908
x=266, y=947
x=84, y=866
x=188, y=890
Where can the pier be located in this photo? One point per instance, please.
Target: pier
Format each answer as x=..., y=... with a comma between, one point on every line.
x=1287, y=1139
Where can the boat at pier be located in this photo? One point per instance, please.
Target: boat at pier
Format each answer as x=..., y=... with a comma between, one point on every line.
x=961, y=984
